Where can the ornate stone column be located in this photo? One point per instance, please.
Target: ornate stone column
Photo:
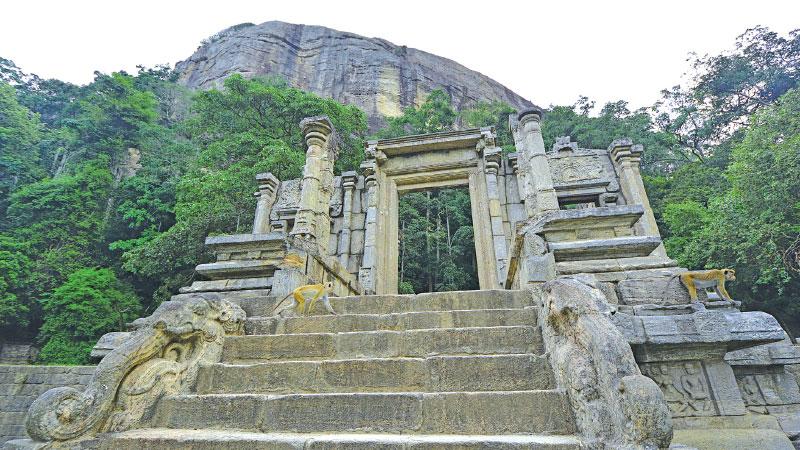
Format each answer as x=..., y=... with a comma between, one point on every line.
x=312, y=220
x=267, y=192
x=535, y=180
x=492, y=160
x=348, y=187
x=627, y=158
x=366, y=274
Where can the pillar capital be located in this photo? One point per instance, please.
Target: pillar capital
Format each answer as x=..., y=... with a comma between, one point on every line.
x=624, y=150
x=316, y=130
x=267, y=183
x=349, y=179
x=529, y=116
x=492, y=158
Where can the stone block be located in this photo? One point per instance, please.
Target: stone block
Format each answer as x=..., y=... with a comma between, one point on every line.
x=491, y=372
x=357, y=241
x=498, y=412
x=278, y=347
x=659, y=291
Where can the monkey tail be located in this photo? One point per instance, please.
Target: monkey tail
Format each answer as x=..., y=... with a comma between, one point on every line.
x=279, y=304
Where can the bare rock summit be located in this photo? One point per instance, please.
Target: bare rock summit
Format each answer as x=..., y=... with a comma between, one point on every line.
x=379, y=77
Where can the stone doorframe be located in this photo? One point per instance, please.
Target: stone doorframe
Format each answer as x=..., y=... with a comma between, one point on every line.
x=418, y=163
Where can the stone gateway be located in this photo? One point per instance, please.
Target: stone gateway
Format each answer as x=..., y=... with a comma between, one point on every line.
x=581, y=335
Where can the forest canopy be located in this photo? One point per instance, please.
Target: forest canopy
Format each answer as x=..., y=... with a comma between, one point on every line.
x=108, y=190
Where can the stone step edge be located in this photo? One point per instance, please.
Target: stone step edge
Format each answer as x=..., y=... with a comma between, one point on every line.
x=399, y=313
x=183, y=435
x=416, y=330
x=376, y=359
x=267, y=397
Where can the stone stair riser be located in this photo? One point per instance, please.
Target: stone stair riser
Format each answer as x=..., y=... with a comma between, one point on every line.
x=395, y=322
x=164, y=439
x=435, y=374
x=470, y=413
x=260, y=305
x=384, y=344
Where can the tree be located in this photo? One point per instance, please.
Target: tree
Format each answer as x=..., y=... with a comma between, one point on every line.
x=61, y=222
x=20, y=134
x=755, y=225
x=92, y=302
x=434, y=115
x=14, y=303
x=250, y=126
x=614, y=121
x=491, y=114
x=725, y=90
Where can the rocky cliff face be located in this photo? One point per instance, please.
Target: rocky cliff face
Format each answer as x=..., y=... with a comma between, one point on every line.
x=379, y=77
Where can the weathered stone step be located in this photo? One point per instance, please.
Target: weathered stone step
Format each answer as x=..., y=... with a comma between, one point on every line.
x=343, y=323
x=546, y=412
x=258, y=303
x=384, y=344
x=169, y=439
x=434, y=374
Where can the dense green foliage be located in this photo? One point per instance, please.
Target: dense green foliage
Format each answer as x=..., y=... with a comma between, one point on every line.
x=108, y=190
x=437, y=250
x=105, y=204
x=90, y=303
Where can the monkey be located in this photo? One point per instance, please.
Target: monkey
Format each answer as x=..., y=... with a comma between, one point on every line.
x=703, y=279
x=300, y=295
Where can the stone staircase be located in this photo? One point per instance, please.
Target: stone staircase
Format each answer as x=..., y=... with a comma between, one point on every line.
x=445, y=370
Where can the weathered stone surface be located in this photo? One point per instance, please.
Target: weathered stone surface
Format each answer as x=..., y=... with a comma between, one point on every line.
x=20, y=385
x=613, y=402
x=614, y=247
x=342, y=323
x=432, y=374
x=732, y=330
x=167, y=346
x=385, y=344
x=377, y=76
x=451, y=412
x=659, y=291
x=162, y=439
x=108, y=342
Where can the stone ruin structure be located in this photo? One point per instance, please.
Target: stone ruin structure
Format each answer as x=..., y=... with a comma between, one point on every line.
x=581, y=335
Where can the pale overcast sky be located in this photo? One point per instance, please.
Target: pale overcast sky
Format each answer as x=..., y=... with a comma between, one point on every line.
x=549, y=52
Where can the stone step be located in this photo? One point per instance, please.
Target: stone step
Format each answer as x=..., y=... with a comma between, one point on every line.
x=169, y=439
x=434, y=374
x=384, y=344
x=545, y=412
x=343, y=323
x=258, y=303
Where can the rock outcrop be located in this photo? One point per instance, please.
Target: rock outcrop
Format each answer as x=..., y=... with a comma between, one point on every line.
x=377, y=76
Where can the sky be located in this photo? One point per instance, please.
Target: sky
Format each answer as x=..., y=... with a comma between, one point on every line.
x=548, y=52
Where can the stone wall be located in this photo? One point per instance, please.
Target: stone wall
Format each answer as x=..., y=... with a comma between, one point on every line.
x=17, y=353
x=21, y=385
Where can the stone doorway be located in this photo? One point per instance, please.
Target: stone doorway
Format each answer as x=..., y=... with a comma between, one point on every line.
x=419, y=163
x=436, y=241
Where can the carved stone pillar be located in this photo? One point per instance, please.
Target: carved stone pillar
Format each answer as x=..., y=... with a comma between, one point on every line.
x=535, y=180
x=312, y=220
x=366, y=275
x=348, y=187
x=267, y=192
x=627, y=158
x=492, y=161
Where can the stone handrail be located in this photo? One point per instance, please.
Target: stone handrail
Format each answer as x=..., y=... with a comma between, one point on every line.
x=161, y=356
x=614, y=403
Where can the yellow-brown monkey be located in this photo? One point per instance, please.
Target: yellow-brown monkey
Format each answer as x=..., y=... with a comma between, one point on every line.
x=301, y=295
x=703, y=279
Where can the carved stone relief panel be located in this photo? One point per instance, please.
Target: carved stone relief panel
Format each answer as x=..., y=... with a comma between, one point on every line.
x=685, y=387
x=576, y=168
